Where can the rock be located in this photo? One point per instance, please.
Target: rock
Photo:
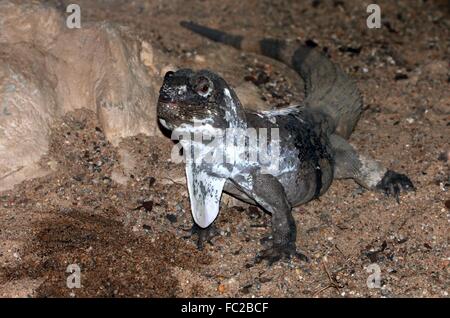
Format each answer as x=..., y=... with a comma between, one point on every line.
x=30, y=23
x=221, y=288
x=200, y=59
x=107, y=76
x=447, y=204
x=27, y=106
x=47, y=70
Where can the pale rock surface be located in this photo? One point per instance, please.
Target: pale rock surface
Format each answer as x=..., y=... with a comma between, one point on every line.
x=47, y=69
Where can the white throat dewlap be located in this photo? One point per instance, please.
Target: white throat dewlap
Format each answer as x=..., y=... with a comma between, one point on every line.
x=205, y=192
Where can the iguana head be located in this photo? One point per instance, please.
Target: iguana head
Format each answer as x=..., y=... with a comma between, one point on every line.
x=187, y=96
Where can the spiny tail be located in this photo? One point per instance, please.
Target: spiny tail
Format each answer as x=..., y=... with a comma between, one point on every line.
x=328, y=88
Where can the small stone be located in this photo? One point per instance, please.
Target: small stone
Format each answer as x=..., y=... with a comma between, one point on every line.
x=147, y=205
x=171, y=217
x=246, y=289
x=221, y=288
x=199, y=59
x=400, y=77
x=447, y=204
x=445, y=156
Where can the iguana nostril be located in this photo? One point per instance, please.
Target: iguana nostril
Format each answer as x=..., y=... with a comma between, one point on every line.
x=164, y=97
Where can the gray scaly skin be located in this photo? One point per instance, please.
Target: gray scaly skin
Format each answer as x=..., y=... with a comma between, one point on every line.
x=313, y=136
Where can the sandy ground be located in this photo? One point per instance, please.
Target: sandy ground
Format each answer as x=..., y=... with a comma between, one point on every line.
x=126, y=224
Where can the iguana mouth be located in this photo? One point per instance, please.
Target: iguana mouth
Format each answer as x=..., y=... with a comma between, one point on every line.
x=165, y=124
x=169, y=114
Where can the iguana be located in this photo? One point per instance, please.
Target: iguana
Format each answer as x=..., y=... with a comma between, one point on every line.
x=311, y=139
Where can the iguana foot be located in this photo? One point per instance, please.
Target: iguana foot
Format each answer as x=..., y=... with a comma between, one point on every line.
x=204, y=235
x=393, y=182
x=279, y=252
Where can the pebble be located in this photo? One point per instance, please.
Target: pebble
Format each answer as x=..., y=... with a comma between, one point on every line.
x=199, y=59
x=221, y=288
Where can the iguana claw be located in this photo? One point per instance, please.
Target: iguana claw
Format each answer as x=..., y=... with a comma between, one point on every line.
x=393, y=183
x=279, y=252
x=204, y=235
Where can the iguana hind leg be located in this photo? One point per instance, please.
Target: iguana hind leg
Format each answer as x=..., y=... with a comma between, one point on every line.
x=367, y=172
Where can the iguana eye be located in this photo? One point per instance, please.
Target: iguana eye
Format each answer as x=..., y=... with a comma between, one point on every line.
x=204, y=86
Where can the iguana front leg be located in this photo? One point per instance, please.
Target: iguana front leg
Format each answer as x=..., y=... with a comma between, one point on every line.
x=269, y=193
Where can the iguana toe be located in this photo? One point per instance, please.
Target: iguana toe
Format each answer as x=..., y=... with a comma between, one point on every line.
x=280, y=252
x=393, y=183
x=204, y=235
